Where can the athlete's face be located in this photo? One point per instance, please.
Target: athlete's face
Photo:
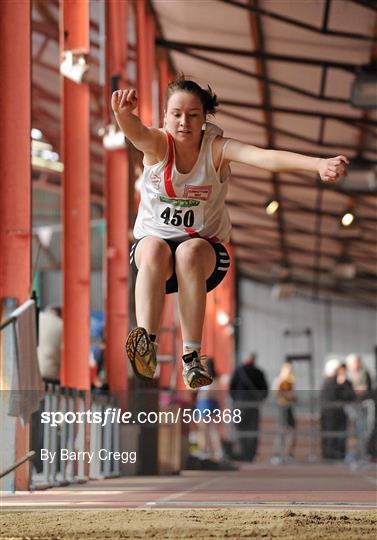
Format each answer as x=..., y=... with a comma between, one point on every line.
x=184, y=117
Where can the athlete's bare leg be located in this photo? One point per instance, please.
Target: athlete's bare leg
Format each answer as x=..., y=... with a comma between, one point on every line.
x=155, y=265
x=195, y=261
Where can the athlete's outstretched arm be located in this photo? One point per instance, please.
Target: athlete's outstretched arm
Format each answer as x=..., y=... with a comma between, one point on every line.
x=148, y=140
x=280, y=161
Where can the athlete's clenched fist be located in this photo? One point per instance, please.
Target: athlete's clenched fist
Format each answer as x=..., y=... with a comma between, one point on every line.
x=124, y=101
x=331, y=169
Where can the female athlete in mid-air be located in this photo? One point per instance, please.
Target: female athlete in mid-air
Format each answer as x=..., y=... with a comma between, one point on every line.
x=182, y=220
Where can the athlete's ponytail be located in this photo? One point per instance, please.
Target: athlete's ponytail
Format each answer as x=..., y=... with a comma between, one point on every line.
x=182, y=84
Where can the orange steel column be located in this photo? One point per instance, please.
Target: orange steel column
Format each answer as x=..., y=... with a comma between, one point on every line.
x=163, y=80
x=218, y=338
x=74, y=35
x=144, y=74
x=209, y=337
x=152, y=68
x=15, y=174
x=117, y=208
x=117, y=212
x=224, y=350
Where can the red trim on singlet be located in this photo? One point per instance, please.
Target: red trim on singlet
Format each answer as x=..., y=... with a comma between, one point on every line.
x=192, y=232
x=169, y=167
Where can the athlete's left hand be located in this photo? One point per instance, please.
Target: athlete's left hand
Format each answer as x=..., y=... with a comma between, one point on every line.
x=331, y=169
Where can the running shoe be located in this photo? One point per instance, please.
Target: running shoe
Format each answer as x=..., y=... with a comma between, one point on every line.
x=194, y=373
x=141, y=352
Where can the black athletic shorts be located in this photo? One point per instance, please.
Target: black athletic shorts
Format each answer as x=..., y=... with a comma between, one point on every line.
x=221, y=268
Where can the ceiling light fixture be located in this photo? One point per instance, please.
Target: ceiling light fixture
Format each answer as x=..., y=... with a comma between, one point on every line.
x=347, y=218
x=271, y=206
x=222, y=318
x=36, y=134
x=74, y=66
x=113, y=139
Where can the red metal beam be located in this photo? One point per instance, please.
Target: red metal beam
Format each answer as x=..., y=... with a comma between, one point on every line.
x=163, y=80
x=224, y=350
x=152, y=71
x=144, y=75
x=75, y=138
x=117, y=210
x=15, y=171
x=15, y=174
x=209, y=326
x=218, y=339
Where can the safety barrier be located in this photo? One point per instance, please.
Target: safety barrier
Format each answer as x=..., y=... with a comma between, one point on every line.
x=163, y=449
x=21, y=386
x=7, y=423
x=103, y=437
x=311, y=429
x=73, y=437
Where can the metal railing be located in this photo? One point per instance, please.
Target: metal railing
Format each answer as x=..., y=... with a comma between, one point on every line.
x=74, y=438
x=355, y=429
x=9, y=362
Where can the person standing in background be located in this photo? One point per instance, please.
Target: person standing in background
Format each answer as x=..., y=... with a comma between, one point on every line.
x=207, y=402
x=360, y=412
x=328, y=392
x=248, y=385
x=335, y=392
x=50, y=343
x=285, y=441
x=359, y=376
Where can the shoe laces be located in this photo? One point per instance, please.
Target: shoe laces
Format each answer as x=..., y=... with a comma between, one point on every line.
x=197, y=361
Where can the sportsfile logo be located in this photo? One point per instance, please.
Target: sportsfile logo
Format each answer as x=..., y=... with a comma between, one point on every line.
x=113, y=415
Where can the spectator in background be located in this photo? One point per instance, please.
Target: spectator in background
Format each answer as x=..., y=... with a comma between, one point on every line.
x=285, y=441
x=97, y=363
x=331, y=367
x=359, y=376
x=327, y=412
x=50, y=343
x=248, y=385
x=360, y=413
x=335, y=393
x=50, y=338
x=372, y=440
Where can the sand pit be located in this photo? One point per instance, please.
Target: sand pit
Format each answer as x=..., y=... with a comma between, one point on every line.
x=187, y=523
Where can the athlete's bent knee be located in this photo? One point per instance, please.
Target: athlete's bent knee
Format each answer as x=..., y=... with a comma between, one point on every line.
x=195, y=254
x=153, y=252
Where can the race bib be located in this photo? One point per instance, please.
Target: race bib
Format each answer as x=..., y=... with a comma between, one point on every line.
x=181, y=213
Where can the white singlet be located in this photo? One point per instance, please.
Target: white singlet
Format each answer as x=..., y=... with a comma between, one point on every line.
x=178, y=206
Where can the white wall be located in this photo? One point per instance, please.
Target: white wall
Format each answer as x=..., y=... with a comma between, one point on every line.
x=335, y=329
x=51, y=289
